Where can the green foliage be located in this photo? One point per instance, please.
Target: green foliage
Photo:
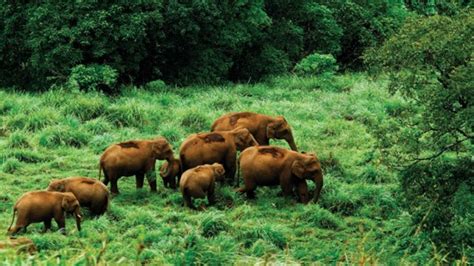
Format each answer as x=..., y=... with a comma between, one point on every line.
x=316, y=64
x=18, y=140
x=364, y=24
x=99, y=46
x=358, y=218
x=11, y=165
x=54, y=137
x=92, y=78
x=212, y=226
x=430, y=63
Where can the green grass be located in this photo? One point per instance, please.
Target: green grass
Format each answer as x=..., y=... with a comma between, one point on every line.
x=58, y=134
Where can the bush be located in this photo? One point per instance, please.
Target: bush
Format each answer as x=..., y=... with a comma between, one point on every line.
x=92, y=78
x=316, y=64
x=155, y=85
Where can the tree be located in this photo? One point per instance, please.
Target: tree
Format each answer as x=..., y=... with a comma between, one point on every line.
x=431, y=61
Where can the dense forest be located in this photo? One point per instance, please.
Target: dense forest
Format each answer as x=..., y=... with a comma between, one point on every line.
x=383, y=91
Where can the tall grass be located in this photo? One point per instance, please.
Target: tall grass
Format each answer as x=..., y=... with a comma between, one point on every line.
x=59, y=134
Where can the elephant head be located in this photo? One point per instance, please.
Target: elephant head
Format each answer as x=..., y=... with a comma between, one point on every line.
x=280, y=129
x=307, y=166
x=169, y=170
x=161, y=149
x=71, y=205
x=219, y=171
x=56, y=185
x=243, y=139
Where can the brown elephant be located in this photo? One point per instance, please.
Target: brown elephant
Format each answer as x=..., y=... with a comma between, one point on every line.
x=200, y=182
x=262, y=127
x=135, y=157
x=90, y=192
x=170, y=174
x=43, y=206
x=215, y=147
x=271, y=166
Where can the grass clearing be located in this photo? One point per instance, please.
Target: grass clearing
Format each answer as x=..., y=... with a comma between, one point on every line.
x=58, y=134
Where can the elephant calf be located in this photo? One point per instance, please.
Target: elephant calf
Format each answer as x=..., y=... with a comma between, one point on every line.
x=272, y=166
x=170, y=171
x=215, y=147
x=199, y=182
x=90, y=192
x=43, y=206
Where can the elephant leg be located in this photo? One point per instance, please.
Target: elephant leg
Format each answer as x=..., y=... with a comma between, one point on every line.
x=230, y=167
x=188, y=201
x=302, y=191
x=211, y=197
x=106, y=178
x=285, y=183
x=139, y=178
x=113, y=186
x=47, y=225
x=151, y=178
x=61, y=221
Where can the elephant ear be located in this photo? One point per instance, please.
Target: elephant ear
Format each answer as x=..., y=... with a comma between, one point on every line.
x=60, y=187
x=164, y=169
x=64, y=204
x=297, y=168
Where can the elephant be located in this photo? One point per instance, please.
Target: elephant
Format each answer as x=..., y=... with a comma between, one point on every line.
x=134, y=157
x=200, y=181
x=43, y=206
x=170, y=174
x=215, y=147
x=90, y=192
x=262, y=127
x=272, y=166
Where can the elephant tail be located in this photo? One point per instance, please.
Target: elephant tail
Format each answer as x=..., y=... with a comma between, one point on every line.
x=13, y=219
x=100, y=170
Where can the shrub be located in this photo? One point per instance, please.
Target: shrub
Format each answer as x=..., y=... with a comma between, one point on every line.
x=92, y=78
x=155, y=85
x=316, y=64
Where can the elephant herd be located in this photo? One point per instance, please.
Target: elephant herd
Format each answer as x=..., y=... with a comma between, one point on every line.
x=204, y=159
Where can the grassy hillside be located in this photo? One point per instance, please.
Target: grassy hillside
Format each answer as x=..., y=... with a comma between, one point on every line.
x=58, y=134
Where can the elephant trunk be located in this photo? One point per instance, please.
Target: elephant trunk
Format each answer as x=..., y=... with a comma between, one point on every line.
x=167, y=171
x=318, y=180
x=291, y=142
x=77, y=214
